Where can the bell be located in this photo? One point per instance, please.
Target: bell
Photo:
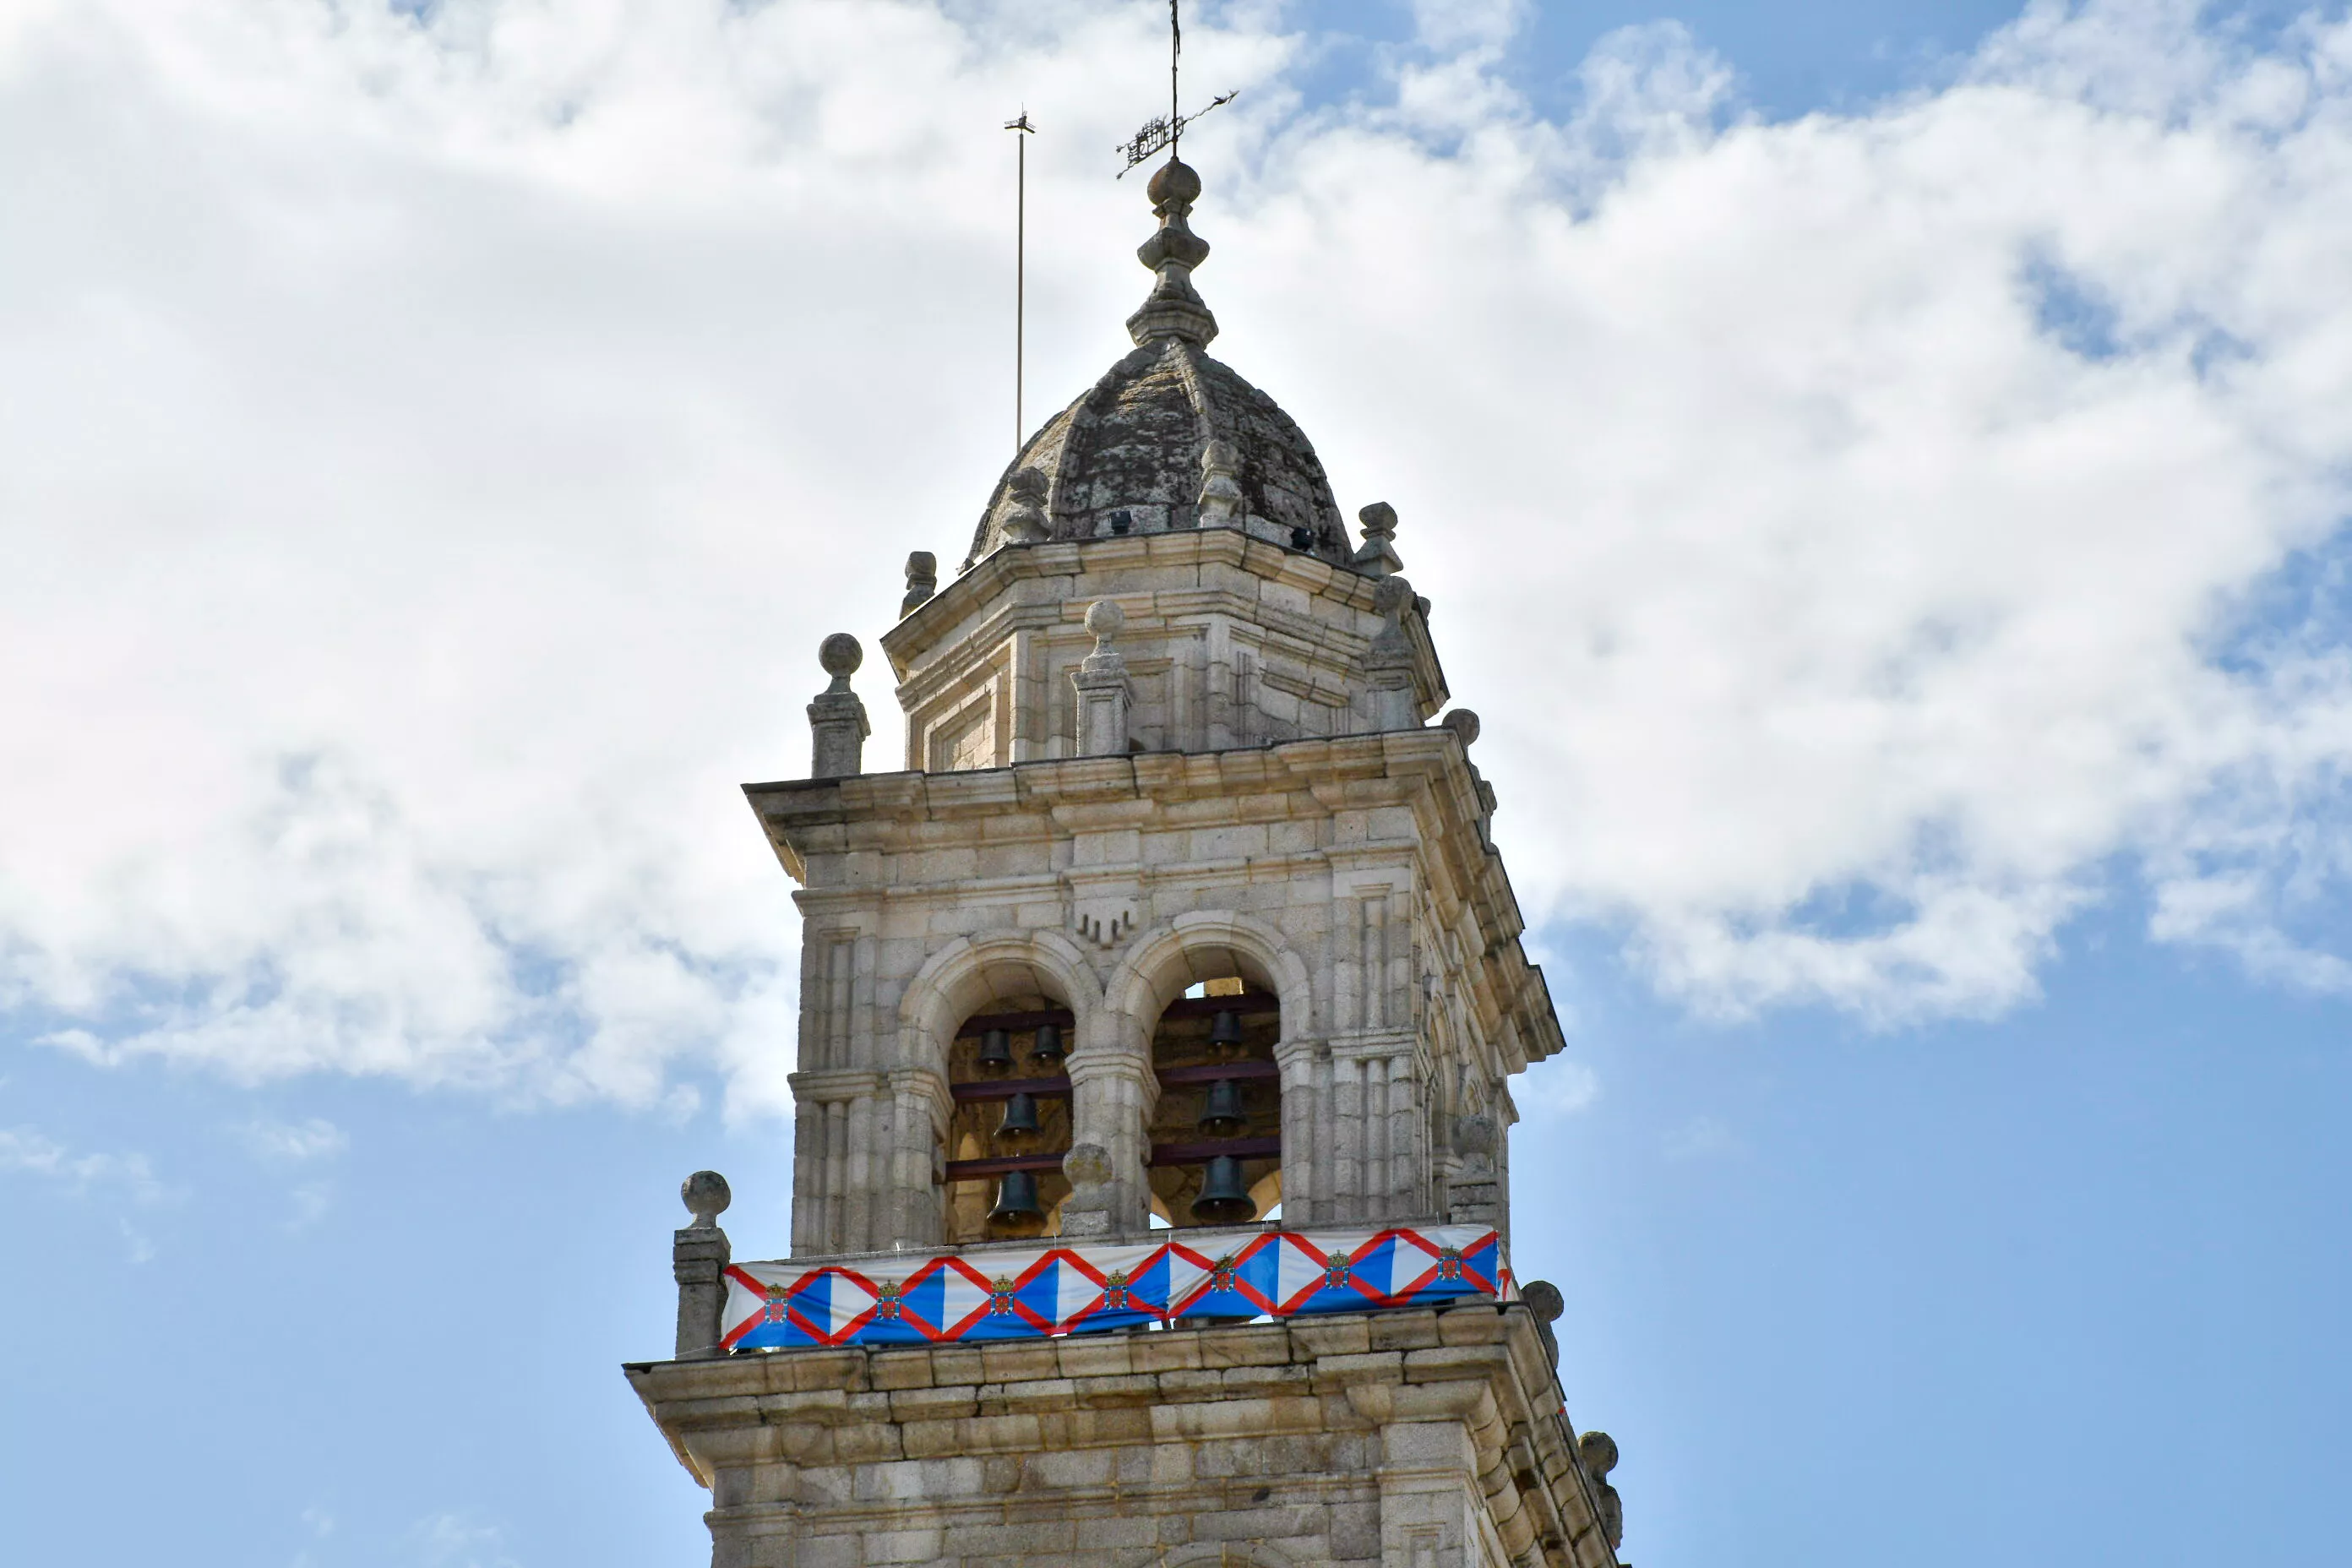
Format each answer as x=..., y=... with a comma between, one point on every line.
x=995, y=1052
x=1046, y=1049
x=1016, y=1212
x=1225, y=1033
x=1020, y=1124
x=1222, y=1116
x=1222, y=1200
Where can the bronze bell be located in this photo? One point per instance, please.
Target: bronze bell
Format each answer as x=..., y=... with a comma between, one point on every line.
x=1020, y=1124
x=1045, y=1050
x=1016, y=1212
x=1224, y=1199
x=1222, y=1116
x=1225, y=1032
x=995, y=1052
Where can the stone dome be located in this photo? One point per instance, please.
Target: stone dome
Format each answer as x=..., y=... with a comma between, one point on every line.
x=1143, y=452
x=1169, y=439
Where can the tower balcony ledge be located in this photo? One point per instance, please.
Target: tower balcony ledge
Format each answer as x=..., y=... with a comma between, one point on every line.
x=1467, y=1390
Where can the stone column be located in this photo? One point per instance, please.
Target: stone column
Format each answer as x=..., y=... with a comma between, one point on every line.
x=920, y=1098
x=836, y=1172
x=1408, y=1179
x=838, y=727
x=1303, y=1178
x=698, y=1257
x=808, y=1176
x=1346, y=1113
x=1111, y=1090
x=1102, y=685
x=865, y=1160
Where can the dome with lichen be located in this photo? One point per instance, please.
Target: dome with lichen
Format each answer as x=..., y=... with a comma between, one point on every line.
x=1169, y=439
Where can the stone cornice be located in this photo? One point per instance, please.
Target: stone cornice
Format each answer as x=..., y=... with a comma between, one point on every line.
x=829, y=1085
x=1476, y=1366
x=941, y=640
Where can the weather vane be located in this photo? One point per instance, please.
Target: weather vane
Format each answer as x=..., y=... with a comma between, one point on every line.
x=1167, y=130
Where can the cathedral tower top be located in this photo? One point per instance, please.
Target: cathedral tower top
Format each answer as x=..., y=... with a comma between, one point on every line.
x=1171, y=979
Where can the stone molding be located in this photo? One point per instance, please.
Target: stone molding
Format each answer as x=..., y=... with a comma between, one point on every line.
x=1014, y=618
x=1405, y=1431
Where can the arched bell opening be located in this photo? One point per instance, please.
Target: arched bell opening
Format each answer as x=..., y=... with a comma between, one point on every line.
x=1216, y=1131
x=1010, y=1125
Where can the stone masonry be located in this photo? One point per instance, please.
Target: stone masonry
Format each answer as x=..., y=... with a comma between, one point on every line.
x=1410, y=1438
x=1169, y=763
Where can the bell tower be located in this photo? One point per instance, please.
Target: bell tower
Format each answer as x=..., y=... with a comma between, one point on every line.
x=1159, y=1009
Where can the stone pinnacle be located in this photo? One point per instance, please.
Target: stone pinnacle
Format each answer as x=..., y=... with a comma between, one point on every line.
x=1174, y=308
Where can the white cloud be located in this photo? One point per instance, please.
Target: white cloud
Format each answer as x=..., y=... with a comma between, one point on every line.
x=312, y=1200
x=29, y=1151
x=1556, y=1087
x=310, y=1142
x=138, y=1247
x=1703, y=1138
x=1453, y=27
x=451, y=1540
x=436, y=448
x=293, y=1143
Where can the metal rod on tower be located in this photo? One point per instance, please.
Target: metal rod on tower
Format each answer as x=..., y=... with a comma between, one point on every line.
x=1175, y=47
x=1020, y=265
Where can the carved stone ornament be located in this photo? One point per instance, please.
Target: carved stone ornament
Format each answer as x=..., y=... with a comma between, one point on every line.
x=1104, y=921
x=1025, y=514
x=1222, y=503
x=1378, y=557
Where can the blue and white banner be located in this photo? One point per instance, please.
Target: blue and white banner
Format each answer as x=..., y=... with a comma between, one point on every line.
x=1061, y=1289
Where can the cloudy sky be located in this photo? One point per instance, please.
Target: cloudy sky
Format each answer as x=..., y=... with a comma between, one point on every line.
x=1881, y=471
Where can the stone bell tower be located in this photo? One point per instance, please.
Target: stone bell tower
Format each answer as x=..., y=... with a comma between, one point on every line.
x=1151, y=1198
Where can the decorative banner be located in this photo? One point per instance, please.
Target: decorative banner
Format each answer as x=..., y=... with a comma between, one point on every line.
x=1061, y=1289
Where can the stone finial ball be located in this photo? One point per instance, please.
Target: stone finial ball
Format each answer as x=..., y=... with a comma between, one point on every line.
x=840, y=656
x=1465, y=724
x=706, y=1194
x=1599, y=1452
x=1543, y=1299
x=1174, y=181
x=1377, y=518
x=1104, y=618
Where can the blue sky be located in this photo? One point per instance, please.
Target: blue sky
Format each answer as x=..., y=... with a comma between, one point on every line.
x=1920, y=718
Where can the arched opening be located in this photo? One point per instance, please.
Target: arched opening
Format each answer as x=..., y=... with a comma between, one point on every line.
x=1010, y=1124
x=1215, y=1136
